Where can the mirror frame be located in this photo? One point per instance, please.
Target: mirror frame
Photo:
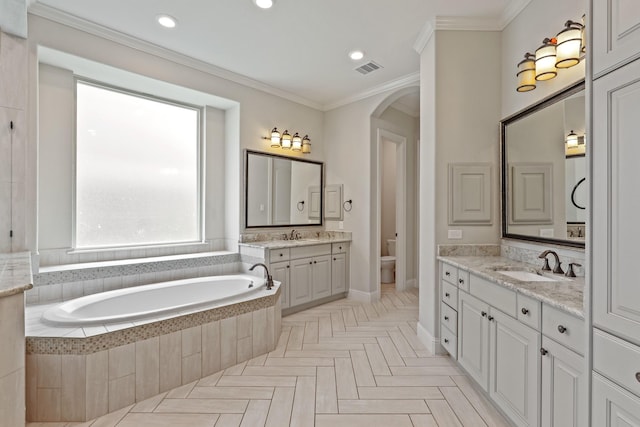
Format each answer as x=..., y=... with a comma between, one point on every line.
x=246, y=192
x=552, y=99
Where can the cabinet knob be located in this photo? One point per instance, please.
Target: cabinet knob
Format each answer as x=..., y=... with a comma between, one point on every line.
x=447, y=295
x=315, y=262
x=310, y=262
x=446, y=273
x=334, y=259
x=446, y=340
x=461, y=281
x=484, y=314
x=543, y=351
x=287, y=266
x=340, y=247
x=562, y=329
x=524, y=311
x=638, y=376
x=281, y=254
x=446, y=317
x=490, y=318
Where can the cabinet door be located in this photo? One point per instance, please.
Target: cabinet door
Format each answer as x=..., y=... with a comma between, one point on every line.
x=615, y=177
x=280, y=273
x=612, y=405
x=514, y=380
x=338, y=274
x=473, y=338
x=321, y=277
x=616, y=33
x=564, y=392
x=300, y=284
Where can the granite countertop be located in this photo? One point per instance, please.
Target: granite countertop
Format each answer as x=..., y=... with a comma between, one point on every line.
x=15, y=273
x=282, y=244
x=565, y=294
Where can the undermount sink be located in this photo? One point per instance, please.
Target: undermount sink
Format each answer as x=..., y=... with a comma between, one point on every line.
x=527, y=276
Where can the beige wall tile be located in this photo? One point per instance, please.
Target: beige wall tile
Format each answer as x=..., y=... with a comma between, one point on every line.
x=49, y=371
x=210, y=348
x=74, y=388
x=244, y=322
x=12, y=333
x=31, y=385
x=244, y=349
x=170, y=361
x=97, y=374
x=147, y=368
x=122, y=361
x=228, y=342
x=271, y=329
x=122, y=392
x=12, y=399
x=48, y=404
x=191, y=368
x=259, y=332
x=191, y=341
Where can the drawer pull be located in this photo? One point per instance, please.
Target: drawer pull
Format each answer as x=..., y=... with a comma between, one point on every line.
x=334, y=259
x=484, y=314
x=461, y=281
x=287, y=266
x=315, y=262
x=446, y=273
x=340, y=247
x=446, y=317
x=490, y=318
x=446, y=341
x=562, y=329
x=281, y=254
x=638, y=376
x=543, y=351
x=524, y=311
x=448, y=295
x=310, y=262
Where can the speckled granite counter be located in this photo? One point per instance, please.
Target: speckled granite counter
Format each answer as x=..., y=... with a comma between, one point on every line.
x=15, y=273
x=565, y=293
x=281, y=244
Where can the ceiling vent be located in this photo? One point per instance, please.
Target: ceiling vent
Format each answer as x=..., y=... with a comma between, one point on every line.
x=368, y=67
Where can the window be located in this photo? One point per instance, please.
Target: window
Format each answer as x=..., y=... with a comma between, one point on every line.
x=137, y=169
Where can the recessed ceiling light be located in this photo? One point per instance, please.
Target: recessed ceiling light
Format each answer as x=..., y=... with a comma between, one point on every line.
x=356, y=55
x=166, y=21
x=263, y=4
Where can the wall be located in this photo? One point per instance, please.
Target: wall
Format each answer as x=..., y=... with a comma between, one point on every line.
x=388, y=162
x=249, y=116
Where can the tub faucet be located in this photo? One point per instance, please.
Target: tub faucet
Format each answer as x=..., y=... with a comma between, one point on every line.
x=557, y=268
x=269, y=278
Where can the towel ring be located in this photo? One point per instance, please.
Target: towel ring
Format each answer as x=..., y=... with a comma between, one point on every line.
x=347, y=205
x=300, y=206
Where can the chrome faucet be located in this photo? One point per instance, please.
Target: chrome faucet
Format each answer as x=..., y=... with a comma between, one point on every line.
x=269, y=278
x=557, y=268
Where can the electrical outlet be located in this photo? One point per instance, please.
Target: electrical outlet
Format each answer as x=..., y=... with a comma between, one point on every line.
x=341, y=225
x=546, y=232
x=455, y=234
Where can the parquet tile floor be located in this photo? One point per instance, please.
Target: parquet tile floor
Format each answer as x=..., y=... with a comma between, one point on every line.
x=339, y=364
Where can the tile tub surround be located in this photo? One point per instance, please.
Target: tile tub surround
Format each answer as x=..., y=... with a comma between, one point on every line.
x=78, y=379
x=565, y=295
x=66, y=282
x=15, y=278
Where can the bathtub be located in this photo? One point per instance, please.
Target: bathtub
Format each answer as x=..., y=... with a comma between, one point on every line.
x=159, y=299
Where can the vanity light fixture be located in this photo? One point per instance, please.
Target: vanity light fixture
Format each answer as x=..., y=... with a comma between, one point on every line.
x=572, y=140
x=527, y=73
x=288, y=142
x=569, y=47
x=546, y=60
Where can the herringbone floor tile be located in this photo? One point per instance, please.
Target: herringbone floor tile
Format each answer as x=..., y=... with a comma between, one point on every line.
x=340, y=364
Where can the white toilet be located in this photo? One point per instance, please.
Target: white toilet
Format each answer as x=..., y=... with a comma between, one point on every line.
x=388, y=264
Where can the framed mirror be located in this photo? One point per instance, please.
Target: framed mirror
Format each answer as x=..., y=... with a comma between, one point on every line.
x=282, y=191
x=544, y=188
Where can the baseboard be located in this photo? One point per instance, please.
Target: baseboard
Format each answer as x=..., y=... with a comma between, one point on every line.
x=364, y=297
x=412, y=283
x=429, y=341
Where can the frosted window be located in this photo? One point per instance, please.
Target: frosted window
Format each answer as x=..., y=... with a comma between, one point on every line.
x=137, y=175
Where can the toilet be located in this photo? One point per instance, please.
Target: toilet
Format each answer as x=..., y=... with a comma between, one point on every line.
x=388, y=264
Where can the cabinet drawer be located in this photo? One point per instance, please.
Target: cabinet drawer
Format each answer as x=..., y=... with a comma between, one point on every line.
x=501, y=298
x=449, y=342
x=612, y=405
x=310, y=251
x=617, y=359
x=449, y=318
x=339, y=248
x=450, y=273
x=463, y=280
x=277, y=255
x=450, y=294
x=528, y=311
x=564, y=328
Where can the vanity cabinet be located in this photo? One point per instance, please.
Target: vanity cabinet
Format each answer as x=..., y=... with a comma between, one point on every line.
x=616, y=34
x=310, y=279
x=451, y=278
x=338, y=273
x=280, y=272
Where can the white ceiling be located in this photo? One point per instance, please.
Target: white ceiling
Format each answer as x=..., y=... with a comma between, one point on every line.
x=298, y=46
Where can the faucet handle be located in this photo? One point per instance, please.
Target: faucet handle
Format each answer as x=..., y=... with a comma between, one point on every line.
x=545, y=266
x=570, y=272
x=557, y=269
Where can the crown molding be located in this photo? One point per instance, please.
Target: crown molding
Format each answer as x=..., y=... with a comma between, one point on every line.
x=423, y=38
x=467, y=23
x=512, y=10
x=55, y=15
x=399, y=83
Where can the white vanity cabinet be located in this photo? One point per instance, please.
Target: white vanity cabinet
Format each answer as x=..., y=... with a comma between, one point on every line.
x=616, y=34
x=280, y=272
x=451, y=278
x=338, y=268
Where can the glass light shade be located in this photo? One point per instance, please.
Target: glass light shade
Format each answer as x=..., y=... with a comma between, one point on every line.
x=569, y=45
x=526, y=73
x=546, y=60
x=572, y=139
x=306, y=145
x=275, y=138
x=296, y=142
x=285, y=142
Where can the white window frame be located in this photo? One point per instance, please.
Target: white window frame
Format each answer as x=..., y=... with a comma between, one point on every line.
x=200, y=154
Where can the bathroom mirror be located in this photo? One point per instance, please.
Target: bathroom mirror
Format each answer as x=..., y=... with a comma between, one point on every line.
x=282, y=191
x=544, y=188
